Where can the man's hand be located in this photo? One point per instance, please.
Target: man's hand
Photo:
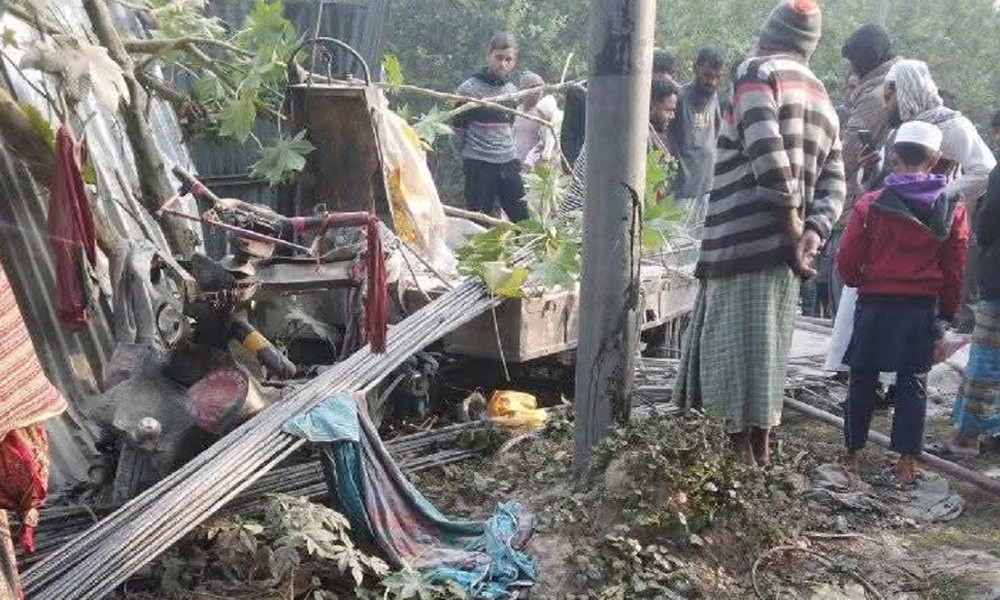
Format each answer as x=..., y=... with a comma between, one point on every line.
x=806, y=252
x=792, y=225
x=868, y=159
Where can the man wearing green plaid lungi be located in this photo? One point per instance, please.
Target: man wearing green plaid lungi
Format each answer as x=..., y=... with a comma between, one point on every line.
x=777, y=190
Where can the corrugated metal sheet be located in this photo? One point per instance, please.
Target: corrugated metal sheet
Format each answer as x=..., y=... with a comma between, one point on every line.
x=73, y=361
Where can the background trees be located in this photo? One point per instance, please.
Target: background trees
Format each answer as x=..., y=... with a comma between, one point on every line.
x=439, y=42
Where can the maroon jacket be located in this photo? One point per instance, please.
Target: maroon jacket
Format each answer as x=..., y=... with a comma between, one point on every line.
x=887, y=250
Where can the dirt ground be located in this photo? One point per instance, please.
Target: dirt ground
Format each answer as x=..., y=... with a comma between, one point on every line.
x=834, y=553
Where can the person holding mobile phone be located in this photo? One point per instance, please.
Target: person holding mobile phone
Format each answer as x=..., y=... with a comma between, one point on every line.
x=870, y=53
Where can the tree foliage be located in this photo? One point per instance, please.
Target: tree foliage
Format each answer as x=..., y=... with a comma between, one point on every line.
x=543, y=251
x=957, y=38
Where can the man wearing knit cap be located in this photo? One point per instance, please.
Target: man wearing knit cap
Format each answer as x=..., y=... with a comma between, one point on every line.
x=777, y=190
x=904, y=250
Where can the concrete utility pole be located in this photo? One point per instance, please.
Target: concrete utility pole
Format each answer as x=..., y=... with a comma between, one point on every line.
x=621, y=59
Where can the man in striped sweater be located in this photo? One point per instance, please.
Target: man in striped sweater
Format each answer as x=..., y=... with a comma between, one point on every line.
x=778, y=188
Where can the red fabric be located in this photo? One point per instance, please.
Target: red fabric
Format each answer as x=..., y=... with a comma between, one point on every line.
x=70, y=230
x=24, y=474
x=375, y=275
x=883, y=254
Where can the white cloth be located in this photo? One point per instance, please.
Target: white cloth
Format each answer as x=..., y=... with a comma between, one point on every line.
x=962, y=144
x=916, y=91
x=918, y=99
x=843, y=329
x=535, y=142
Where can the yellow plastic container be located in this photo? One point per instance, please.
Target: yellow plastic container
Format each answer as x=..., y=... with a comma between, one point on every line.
x=515, y=409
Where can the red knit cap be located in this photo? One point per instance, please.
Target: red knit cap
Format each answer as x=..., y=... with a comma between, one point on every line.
x=793, y=26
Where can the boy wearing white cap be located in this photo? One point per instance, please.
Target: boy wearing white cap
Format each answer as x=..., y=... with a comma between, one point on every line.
x=904, y=249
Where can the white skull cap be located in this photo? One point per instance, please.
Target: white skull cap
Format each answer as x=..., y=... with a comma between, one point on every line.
x=920, y=133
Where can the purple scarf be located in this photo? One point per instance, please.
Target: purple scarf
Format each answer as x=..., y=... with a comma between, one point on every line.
x=922, y=189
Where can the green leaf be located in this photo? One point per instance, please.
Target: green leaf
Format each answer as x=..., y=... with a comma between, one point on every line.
x=280, y=160
x=208, y=87
x=510, y=287
x=237, y=118
x=392, y=70
x=656, y=175
x=39, y=124
x=266, y=23
x=431, y=125
x=8, y=38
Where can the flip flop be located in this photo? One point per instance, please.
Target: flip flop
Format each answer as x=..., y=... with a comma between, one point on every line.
x=887, y=479
x=947, y=450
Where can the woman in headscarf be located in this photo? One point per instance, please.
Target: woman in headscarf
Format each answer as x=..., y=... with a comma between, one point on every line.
x=912, y=95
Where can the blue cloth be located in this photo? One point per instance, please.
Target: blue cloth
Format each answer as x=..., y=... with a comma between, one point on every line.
x=389, y=514
x=977, y=407
x=335, y=420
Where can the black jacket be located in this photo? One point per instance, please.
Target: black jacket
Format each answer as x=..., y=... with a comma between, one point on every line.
x=987, y=222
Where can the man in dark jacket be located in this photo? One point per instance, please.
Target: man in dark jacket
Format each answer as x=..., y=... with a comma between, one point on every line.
x=904, y=249
x=484, y=138
x=870, y=54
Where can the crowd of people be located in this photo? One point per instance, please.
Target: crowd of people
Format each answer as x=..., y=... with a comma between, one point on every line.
x=882, y=212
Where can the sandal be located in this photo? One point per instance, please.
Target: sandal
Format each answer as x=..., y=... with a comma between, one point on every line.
x=947, y=450
x=887, y=478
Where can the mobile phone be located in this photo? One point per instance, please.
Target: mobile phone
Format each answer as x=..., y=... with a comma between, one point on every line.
x=865, y=136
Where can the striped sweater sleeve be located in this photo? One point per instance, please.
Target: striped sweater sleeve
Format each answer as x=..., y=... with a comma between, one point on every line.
x=755, y=104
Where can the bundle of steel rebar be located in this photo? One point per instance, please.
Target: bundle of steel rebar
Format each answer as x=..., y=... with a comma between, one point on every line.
x=91, y=566
x=415, y=452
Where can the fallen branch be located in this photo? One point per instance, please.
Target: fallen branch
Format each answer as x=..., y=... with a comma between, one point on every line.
x=212, y=65
x=416, y=280
x=987, y=484
x=178, y=99
x=818, y=535
x=493, y=102
x=824, y=559
x=35, y=20
x=474, y=216
x=160, y=46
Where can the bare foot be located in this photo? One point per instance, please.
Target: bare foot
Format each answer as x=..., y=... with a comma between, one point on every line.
x=740, y=443
x=906, y=469
x=760, y=442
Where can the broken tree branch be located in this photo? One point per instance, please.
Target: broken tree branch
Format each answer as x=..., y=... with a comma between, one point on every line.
x=471, y=103
x=34, y=20
x=160, y=46
x=212, y=65
x=153, y=183
x=822, y=558
x=164, y=90
x=485, y=220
